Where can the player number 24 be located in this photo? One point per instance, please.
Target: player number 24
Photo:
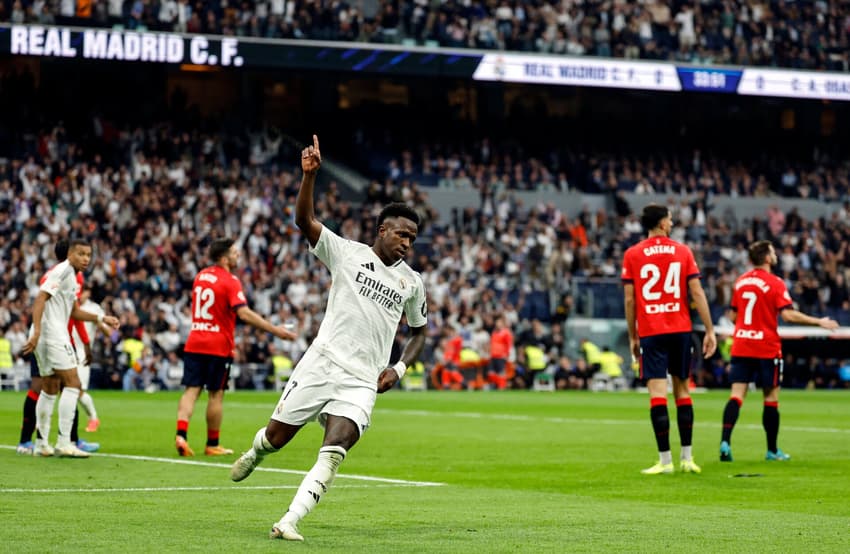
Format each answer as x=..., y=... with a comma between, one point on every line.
x=203, y=301
x=652, y=274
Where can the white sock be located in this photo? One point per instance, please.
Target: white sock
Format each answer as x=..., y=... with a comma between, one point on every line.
x=666, y=457
x=686, y=453
x=261, y=444
x=88, y=404
x=67, y=406
x=43, y=414
x=316, y=483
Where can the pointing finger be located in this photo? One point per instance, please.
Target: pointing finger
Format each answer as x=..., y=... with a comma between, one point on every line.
x=315, y=142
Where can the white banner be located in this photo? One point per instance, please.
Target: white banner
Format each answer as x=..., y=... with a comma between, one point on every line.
x=578, y=71
x=795, y=84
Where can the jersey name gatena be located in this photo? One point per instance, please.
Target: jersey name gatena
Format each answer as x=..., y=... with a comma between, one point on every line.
x=660, y=268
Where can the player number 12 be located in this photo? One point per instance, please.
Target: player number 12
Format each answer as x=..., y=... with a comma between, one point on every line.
x=203, y=301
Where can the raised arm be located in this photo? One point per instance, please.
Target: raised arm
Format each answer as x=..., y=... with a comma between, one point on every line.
x=305, y=218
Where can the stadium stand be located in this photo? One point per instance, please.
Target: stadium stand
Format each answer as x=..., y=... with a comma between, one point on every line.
x=810, y=35
x=520, y=261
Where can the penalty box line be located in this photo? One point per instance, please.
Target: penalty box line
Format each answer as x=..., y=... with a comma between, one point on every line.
x=383, y=480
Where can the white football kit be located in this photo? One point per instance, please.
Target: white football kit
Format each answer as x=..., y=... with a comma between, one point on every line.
x=83, y=369
x=338, y=375
x=54, y=350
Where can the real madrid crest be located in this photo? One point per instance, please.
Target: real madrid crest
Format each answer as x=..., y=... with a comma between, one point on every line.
x=402, y=283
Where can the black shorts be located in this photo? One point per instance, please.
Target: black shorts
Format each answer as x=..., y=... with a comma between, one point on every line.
x=663, y=354
x=764, y=372
x=205, y=370
x=33, y=365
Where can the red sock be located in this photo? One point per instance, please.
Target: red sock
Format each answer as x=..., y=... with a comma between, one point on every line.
x=212, y=437
x=182, y=428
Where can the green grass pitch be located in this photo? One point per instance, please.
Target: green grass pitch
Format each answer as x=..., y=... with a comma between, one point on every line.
x=441, y=472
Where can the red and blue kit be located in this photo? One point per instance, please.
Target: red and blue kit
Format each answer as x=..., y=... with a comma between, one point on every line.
x=660, y=268
x=216, y=295
x=758, y=298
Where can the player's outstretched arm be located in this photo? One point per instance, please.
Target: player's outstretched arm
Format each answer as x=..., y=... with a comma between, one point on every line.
x=82, y=315
x=794, y=316
x=254, y=319
x=305, y=218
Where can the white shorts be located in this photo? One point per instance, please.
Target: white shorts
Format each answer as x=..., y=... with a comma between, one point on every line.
x=318, y=388
x=83, y=370
x=53, y=356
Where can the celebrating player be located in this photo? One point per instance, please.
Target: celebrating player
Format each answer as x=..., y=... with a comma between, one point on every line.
x=55, y=304
x=347, y=364
x=217, y=299
x=759, y=298
x=657, y=274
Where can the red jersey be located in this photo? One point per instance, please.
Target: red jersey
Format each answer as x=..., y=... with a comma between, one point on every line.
x=73, y=323
x=501, y=342
x=660, y=268
x=452, y=351
x=216, y=295
x=758, y=298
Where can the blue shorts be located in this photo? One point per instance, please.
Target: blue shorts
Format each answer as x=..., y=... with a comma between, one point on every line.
x=205, y=370
x=764, y=372
x=663, y=354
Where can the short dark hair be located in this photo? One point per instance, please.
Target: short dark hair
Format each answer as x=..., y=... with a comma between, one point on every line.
x=398, y=209
x=759, y=251
x=69, y=245
x=219, y=248
x=60, y=250
x=652, y=215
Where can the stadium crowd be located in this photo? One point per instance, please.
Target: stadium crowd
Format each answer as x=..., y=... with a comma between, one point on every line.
x=151, y=197
x=804, y=35
x=505, y=165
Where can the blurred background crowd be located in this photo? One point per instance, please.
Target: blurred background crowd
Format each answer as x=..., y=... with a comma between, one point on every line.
x=804, y=35
x=151, y=197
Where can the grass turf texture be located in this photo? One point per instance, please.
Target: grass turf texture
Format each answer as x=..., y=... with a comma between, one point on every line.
x=520, y=472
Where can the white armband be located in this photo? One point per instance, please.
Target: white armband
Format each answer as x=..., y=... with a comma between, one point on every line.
x=99, y=319
x=400, y=367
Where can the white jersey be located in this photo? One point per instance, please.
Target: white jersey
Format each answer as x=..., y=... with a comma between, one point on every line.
x=91, y=326
x=365, y=304
x=61, y=284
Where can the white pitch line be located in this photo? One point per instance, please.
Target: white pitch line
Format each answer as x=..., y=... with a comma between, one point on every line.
x=181, y=489
x=573, y=420
x=400, y=482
